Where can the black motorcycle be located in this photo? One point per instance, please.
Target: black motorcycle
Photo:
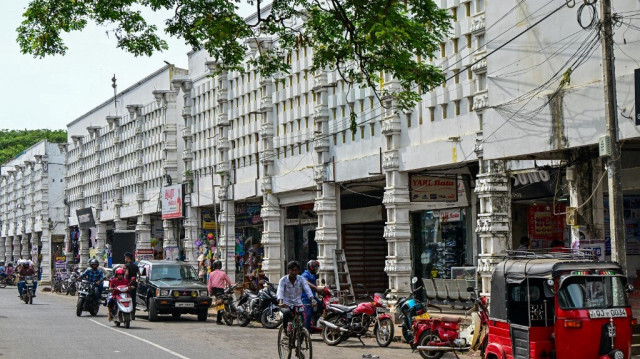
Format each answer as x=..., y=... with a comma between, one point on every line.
x=88, y=299
x=226, y=306
x=69, y=285
x=27, y=290
x=261, y=307
x=8, y=280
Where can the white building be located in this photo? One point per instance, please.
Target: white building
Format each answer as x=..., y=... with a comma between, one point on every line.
x=119, y=157
x=31, y=206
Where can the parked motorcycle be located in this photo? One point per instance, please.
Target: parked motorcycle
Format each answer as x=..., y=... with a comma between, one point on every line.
x=123, y=308
x=327, y=298
x=69, y=285
x=436, y=336
x=409, y=308
x=226, y=305
x=8, y=280
x=87, y=299
x=261, y=307
x=345, y=321
x=27, y=290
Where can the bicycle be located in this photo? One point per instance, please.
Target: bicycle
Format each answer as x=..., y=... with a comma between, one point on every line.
x=298, y=337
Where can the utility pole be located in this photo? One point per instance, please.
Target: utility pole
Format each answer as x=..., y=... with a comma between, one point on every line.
x=616, y=221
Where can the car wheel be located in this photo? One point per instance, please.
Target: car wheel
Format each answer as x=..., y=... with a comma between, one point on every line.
x=202, y=315
x=153, y=311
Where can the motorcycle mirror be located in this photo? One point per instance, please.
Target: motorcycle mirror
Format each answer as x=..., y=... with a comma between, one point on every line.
x=414, y=280
x=323, y=281
x=629, y=288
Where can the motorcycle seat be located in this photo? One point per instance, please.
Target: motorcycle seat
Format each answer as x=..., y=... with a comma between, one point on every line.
x=450, y=319
x=342, y=308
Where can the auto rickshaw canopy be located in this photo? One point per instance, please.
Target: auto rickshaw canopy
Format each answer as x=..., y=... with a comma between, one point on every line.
x=515, y=271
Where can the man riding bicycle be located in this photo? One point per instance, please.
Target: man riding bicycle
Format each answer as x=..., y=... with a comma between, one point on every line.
x=290, y=290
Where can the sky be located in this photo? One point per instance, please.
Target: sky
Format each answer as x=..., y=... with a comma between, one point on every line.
x=53, y=91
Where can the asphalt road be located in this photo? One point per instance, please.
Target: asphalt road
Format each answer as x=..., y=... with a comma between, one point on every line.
x=49, y=328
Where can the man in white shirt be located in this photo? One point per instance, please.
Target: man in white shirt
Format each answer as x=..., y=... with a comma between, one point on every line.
x=290, y=290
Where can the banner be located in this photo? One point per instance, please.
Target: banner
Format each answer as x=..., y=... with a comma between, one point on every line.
x=433, y=189
x=535, y=184
x=172, y=202
x=85, y=218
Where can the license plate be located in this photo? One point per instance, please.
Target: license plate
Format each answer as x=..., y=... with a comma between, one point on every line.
x=422, y=316
x=220, y=307
x=608, y=313
x=184, y=305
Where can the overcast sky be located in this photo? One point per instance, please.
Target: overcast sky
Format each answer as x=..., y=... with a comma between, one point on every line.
x=51, y=92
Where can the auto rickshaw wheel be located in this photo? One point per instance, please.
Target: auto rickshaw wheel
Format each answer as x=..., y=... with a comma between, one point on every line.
x=426, y=338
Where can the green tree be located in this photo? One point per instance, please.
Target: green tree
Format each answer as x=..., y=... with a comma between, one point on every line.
x=14, y=142
x=359, y=38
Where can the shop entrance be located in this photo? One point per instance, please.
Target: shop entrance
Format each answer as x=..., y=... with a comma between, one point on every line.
x=365, y=248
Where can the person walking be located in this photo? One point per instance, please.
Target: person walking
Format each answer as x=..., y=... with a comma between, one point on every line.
x=131, y=274
x=216, y=284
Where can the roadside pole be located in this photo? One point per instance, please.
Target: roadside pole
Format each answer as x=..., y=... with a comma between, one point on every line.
x=613, y=167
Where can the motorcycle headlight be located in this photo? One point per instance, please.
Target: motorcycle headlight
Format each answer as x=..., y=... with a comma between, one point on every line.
x=203, y=293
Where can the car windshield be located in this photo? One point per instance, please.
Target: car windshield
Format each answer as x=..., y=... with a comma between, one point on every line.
x=583, y=292
x=172, y=272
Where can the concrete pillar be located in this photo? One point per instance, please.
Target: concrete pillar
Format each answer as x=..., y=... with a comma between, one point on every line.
x=325, y=201
x=227, y=239
x=494, y=217
x=2, y=248
x=67, y=241
x=25, y=250
x=272, y=240
x=143, y=232
x=16, y=247
x=45, y=251
x=101, y=240
x=84, y=247
x=397, y=230
x=170, y=240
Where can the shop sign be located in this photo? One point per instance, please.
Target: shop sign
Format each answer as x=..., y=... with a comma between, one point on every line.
x=172, y=202
x=85, y=218
x=597, y=247
x=144, y=254
x=208, y=220
x=448, y=215
x=433, y=189
x=545, y=222
x=535, y=184
x=291, y=222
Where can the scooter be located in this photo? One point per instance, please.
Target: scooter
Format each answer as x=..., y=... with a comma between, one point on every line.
x=435, y=336
x=124, y=306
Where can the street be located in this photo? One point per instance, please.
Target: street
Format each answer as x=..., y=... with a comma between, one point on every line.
x=50, y=328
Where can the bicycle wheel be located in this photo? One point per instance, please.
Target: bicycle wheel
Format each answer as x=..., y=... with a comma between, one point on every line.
x=303, y=345
x=284, y=350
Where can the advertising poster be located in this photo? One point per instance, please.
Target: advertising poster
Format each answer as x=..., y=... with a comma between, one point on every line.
x=544, y=224
x=172, y=202
x=433, y=189
x=171, y=253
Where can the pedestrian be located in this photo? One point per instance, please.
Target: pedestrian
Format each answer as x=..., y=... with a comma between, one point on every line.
x=131, y=274
x=216, y=284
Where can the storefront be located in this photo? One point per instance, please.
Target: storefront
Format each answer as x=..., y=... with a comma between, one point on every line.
x=440, y=225
x=299, y=234
x=248, y=244
x=538, y=208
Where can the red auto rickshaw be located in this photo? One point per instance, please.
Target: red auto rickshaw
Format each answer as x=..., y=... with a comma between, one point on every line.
x=558, y=305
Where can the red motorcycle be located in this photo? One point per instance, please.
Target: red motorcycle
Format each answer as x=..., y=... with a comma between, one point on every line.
x=327, y=299
x=345, y=321
x=435, y=336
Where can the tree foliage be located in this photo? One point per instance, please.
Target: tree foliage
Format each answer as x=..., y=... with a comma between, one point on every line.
x=14, y=142
x=359, y=38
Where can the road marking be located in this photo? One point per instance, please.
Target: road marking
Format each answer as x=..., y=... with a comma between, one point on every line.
x=142, y=340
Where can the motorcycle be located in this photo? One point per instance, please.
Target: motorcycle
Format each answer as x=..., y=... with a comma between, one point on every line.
x=87, y=299
x=436, y=336
x=69, y=286
x=124, y=307
x=410, y=307
x=345, y=321
x=8, y=280
x=27, y=290
x=327, y=298
x=261, y=307
x=225, y=305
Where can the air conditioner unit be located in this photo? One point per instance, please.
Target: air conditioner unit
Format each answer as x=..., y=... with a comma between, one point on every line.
x=604, y=146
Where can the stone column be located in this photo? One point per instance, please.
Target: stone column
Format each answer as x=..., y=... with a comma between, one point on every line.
x=16, y=247
x=190, y=222
x=2, y=248
x=397, y=230
x=325, y=201
x=494, y=217
x=84, y=247
x=143, y=232
x=272, y=241
x=25, y=253
x=45, y=251
x=101, y=239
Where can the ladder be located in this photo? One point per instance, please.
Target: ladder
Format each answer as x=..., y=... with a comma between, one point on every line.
x=343, y=279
